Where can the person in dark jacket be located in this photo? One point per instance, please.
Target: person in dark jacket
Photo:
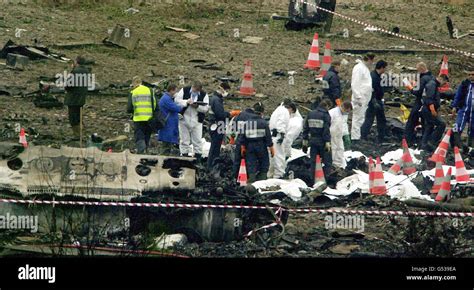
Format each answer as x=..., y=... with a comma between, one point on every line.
x=376, y=106
x=169, y=135
x=142, y=104
x=425, y=77
x=239, y=121
x=433, y=123
x=255, y=143
x=316, y=134
x=217, y=121
x=462, y=105
x=332, y=84
x=75, y=98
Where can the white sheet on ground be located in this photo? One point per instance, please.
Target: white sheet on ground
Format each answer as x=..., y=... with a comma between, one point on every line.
x=431, y=173
x=392, y=157
x=292, y=188
x=399, y=186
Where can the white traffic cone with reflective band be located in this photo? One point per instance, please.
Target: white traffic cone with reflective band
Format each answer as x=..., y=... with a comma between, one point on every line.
x=439, y=176
x=242, y=178
x=22, y=140
x=443, y=147
x=313, y=57
x=462, y=176
x=444, y=193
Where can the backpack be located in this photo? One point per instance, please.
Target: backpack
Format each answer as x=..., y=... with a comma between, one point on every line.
x=158, y=121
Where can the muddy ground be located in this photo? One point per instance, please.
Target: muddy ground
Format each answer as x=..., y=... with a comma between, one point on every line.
x=167, y=54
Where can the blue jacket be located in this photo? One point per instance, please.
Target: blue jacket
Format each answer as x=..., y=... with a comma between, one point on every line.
x=460, y=99
x=334, y=91
x=170, y=110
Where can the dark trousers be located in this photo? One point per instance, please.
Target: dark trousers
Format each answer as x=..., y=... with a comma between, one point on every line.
x=74, y=113
x=410, y=134
x=142, y=136
x=215, y=150
x=374, y=110
x=326, y=159
x=257, y=159
x=434, y=129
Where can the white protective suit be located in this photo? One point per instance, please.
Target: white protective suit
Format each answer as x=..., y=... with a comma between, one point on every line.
x=190, y=130
x=338, y=129
x=294, y=129
x=361, y=86
x=279, y=120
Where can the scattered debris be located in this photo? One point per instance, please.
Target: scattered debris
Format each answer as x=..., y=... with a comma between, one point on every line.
x=209, y=66
x=122, y=37
x=177, y=29
x=191, y=36
x=252, y=39
x=17, y=61
x=132, y=11
x=32, y=52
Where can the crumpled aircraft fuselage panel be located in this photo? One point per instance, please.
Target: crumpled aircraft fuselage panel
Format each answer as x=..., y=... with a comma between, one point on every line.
x=91, y=173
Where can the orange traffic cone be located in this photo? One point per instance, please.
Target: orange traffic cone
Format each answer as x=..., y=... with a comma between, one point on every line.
x=462, y=175
x=327, y=60
x=444, y=66
x=313, y=57
x=242, y=178
x=445, y=190
x=22, y=140
x=319, y=173
x=395, y=169
x=378, y=187
x=444, y=71
x=439, y=176
x=405, y=146
x=408, y=166
x=443, y=147
x=246, y=88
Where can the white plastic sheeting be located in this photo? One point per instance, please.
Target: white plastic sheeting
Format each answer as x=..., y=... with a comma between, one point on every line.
x=292, y=188
x=392, y=157
x=399, y=186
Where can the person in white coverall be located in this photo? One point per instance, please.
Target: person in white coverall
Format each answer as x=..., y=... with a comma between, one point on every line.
x=196, y=103
x=361, y=86
x=294, y=129
x=279, y=122
x=339, y=129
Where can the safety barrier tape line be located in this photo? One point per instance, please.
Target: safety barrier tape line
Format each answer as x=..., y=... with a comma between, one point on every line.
x=295, y=210
x=466, y=53
x=278, y=214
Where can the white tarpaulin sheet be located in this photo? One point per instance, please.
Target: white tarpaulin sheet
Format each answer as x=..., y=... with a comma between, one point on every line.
x=292, y=188
x=393, y=156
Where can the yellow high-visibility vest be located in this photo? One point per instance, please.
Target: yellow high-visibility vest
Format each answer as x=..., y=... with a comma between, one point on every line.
x=142, y=105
